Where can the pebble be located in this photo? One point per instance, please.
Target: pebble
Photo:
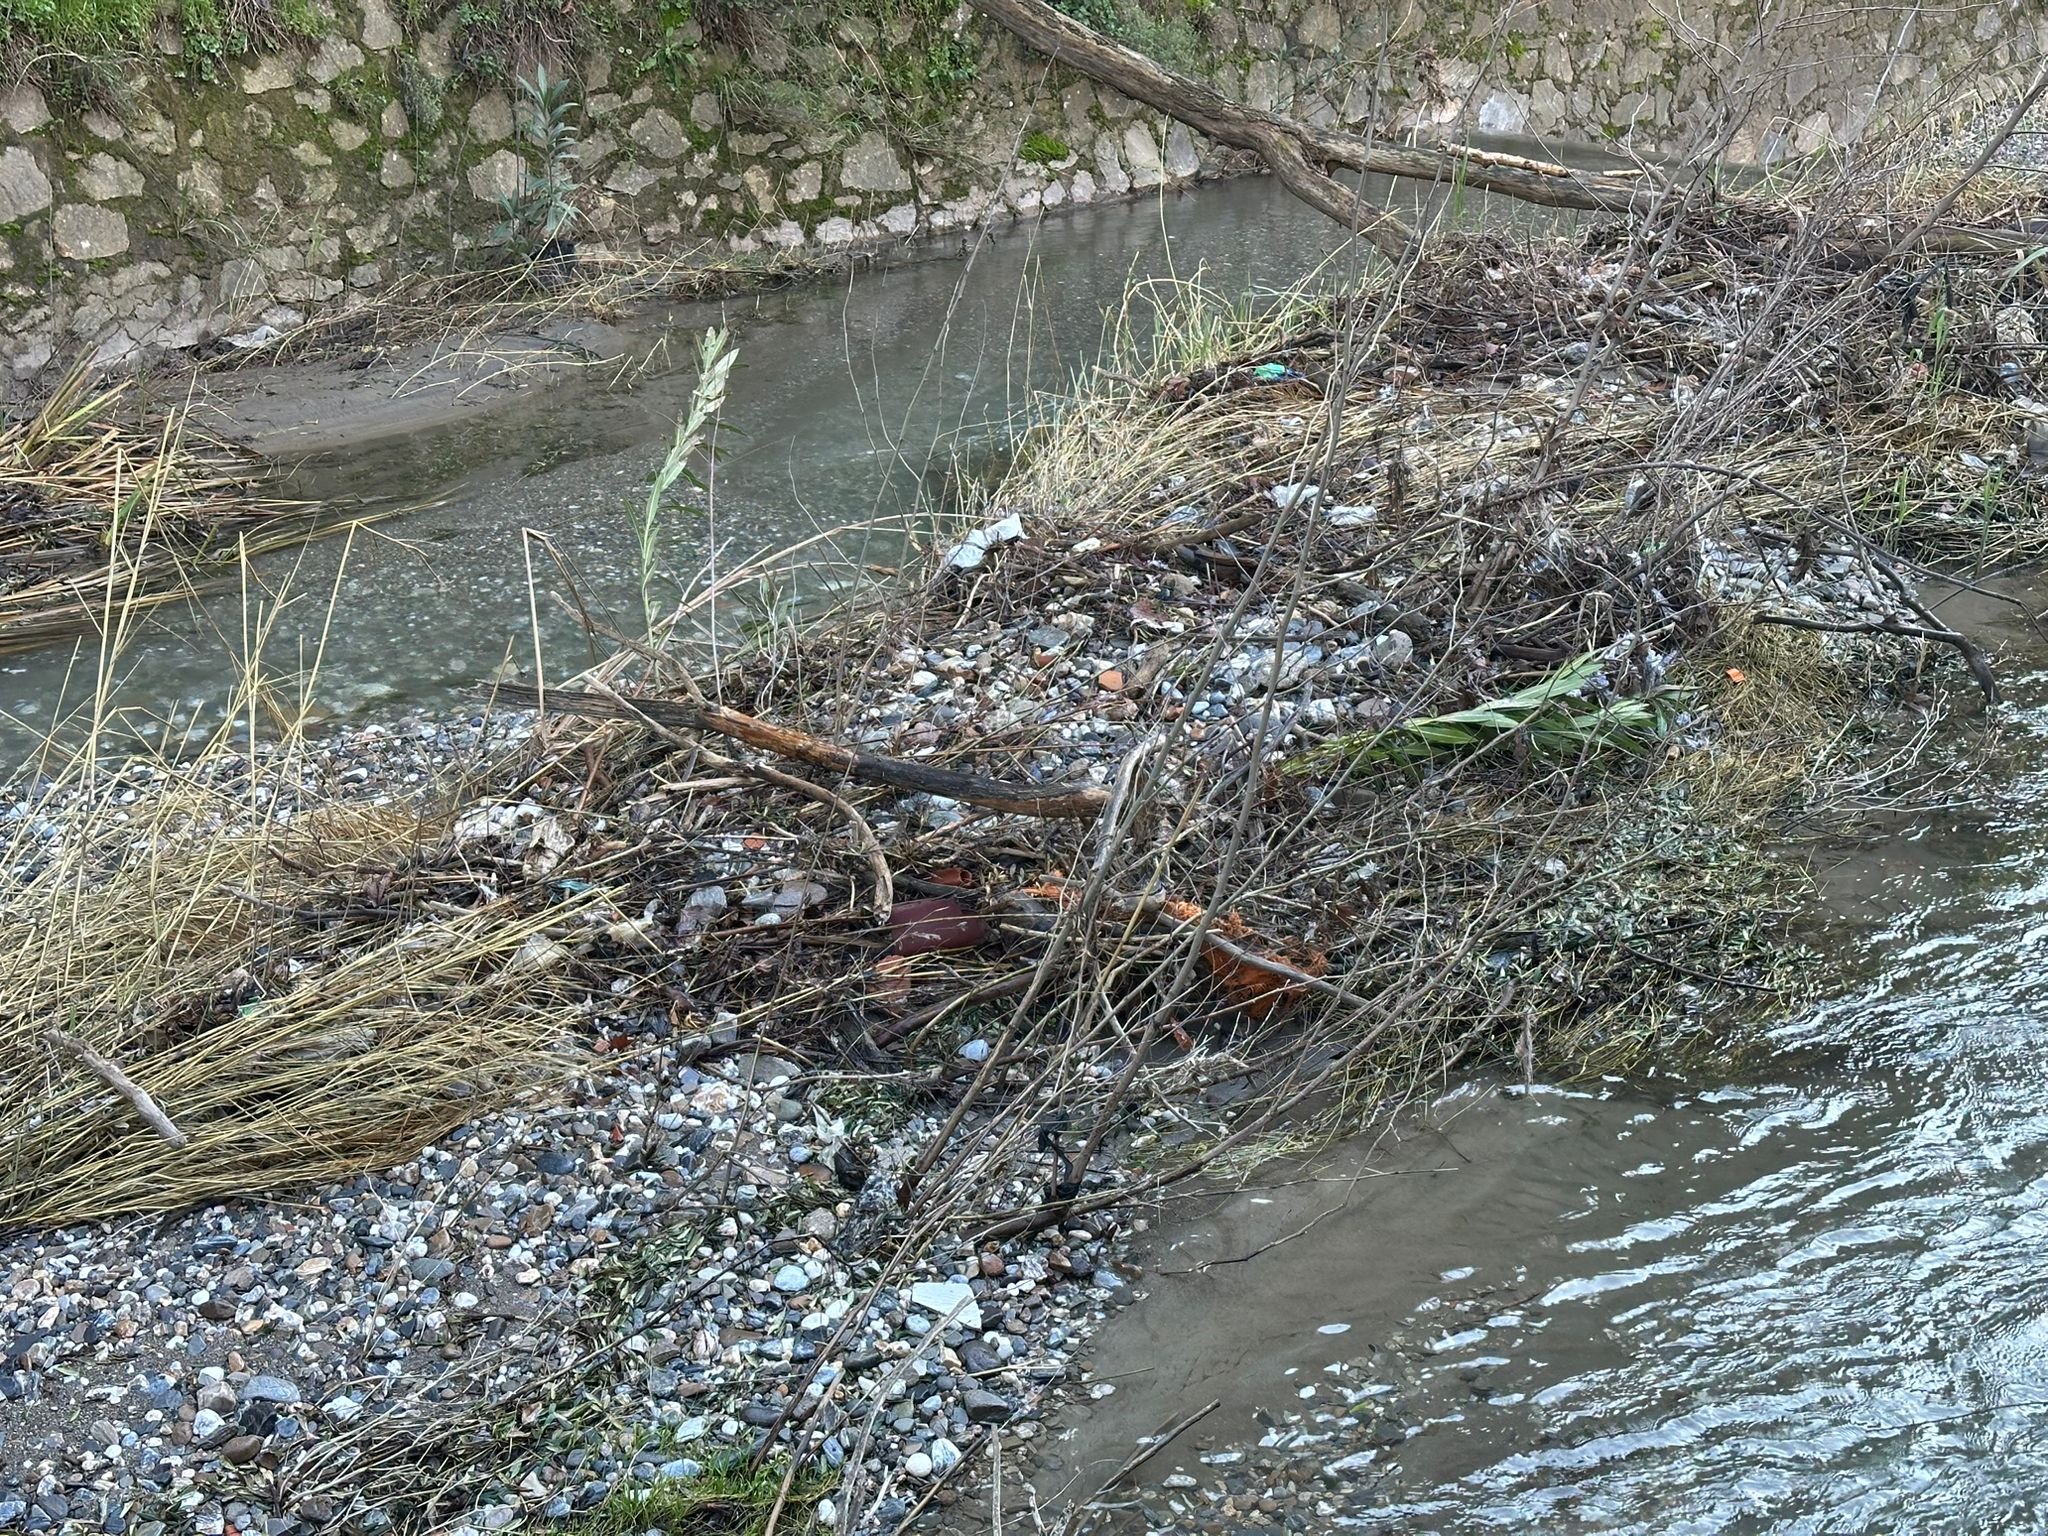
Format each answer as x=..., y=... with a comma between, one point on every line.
x=952, y=1299
x=986, y=1407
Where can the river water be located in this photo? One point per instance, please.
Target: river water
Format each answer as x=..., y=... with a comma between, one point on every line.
x=1808, y=1296
x=848, y=396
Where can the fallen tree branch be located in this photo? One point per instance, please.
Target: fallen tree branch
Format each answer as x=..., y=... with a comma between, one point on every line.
x=1080, y=802
x=1980, y=668
x=1156, y=1444
x=1858, y=627
x=1302, y=156
x=121, y=1083
x=1933, y=216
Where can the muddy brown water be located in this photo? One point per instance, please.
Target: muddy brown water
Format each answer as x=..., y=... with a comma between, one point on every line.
x=1806, y=1295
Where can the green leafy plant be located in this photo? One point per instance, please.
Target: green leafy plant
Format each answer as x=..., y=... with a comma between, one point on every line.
x=1039, y=148
x=1556, y=717
x=83, y=50
x=670, y=55
x=422, y=94
x=1164, y=30
x=543, y=210
x=715, y=358
x=217, y=30
x=1105, y=16
x=950, y=64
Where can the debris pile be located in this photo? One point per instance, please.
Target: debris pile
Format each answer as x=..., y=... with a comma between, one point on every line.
x=1315, y=704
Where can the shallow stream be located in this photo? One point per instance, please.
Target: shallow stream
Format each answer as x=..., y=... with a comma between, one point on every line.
x=850, y=397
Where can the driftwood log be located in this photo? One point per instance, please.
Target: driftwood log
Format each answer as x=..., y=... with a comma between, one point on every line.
x=1306, y=158
x=1019, y=797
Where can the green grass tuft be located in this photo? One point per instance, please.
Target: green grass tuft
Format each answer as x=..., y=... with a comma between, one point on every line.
x=1041, y=148
x=725, y=1499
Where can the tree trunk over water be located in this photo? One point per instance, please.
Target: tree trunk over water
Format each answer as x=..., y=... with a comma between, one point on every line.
x=1305, y=157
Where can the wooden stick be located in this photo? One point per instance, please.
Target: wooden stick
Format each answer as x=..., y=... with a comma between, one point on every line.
x=1159, y=1443
x=121, y=1083
x=1078, y=802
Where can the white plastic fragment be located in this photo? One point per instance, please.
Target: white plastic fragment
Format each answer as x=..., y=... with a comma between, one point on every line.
x=973, y=549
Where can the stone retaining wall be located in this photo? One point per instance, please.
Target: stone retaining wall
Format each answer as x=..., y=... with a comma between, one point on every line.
x=305, y=180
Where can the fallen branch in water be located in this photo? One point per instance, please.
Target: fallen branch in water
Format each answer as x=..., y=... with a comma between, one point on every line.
x=1155, y=1445
x=1017, y=797
x=121, y=1083
x=1302, y=155
x=1980, y=669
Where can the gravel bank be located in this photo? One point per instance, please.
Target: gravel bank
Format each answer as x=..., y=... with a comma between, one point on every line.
x=628, y=1281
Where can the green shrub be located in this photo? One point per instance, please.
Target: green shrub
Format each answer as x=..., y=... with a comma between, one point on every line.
x=543, y=211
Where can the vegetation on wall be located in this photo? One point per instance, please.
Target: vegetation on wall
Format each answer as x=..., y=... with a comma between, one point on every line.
x=216, y=30
x=1166, y=30
x=72, y=47
x=81, y=50
x=494, y=39
x=78, y=26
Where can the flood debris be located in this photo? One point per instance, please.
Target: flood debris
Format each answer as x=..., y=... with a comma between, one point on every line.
x=745, y=1070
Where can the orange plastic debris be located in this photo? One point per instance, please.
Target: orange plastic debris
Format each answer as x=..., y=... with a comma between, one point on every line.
x=1251, y=987
x=1735, y=675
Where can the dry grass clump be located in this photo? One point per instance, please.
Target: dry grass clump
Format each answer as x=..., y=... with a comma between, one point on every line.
x=469, y=315
x=98, y=513
x=303, y=989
